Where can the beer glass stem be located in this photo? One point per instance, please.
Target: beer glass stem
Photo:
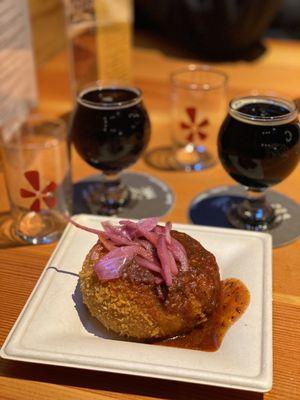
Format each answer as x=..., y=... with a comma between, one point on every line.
x=253, y=213
x=109, y=196
x=114, y=189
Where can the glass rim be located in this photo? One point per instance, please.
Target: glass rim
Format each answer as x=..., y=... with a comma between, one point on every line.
x=110, y=106
x=60, y=128
x=290, y=105
x=197, y=86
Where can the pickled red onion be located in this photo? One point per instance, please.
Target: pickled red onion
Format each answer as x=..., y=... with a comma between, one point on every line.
x=151, y=245
x=179, y=253
x=143, y=262
x=106, y=242
x=85, y=228
x=110, y=265
x=163, y=255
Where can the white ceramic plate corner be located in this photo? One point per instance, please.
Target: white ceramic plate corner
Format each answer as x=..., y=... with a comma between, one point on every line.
x=48, y=333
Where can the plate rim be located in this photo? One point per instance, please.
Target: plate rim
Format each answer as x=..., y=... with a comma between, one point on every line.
x=261, y=383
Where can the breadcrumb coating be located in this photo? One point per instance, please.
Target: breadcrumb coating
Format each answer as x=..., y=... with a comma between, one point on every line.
x=134, y=306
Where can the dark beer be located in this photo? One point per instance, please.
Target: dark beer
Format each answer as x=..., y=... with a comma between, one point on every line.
x=110, y=127
x=258, y=142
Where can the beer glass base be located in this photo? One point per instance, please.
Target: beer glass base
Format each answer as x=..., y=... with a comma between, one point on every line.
x=39, y=228
x=211, y=208
x=193, y=160
x=262, y=220
x=108, y=200
x=149, y=196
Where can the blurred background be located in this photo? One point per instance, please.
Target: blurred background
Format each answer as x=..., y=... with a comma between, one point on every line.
x=205, y=29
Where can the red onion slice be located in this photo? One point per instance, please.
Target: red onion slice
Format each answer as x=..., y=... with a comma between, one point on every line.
x=148, y=224
x=179, y=253
x=160, y=230
x=149, y=247
x=109, y=228
x=148, y=264
x=118, y=239
x=106, y=242
x=164, y=230
x=163, y=255
x=151, y=236
x=125, y=223
x=110, y=266
x=91, y=230
x=131, y=228
x=141, y=228
x=173, y=265
x=144, y=253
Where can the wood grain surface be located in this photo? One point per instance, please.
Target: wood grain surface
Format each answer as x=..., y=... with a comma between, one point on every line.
x=20, y=266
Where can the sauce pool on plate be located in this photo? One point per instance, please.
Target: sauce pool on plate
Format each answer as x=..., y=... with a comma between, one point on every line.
x=234, y=300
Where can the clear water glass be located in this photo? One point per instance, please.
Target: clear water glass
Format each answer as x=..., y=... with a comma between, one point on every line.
x=37, y=172
x=198, y=104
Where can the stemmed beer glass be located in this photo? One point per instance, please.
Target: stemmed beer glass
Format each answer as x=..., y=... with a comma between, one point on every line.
x=110, y=128
x=258, y=146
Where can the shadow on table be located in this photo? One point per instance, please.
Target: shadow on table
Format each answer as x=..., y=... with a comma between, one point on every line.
x=121, y=383
x=161, y=158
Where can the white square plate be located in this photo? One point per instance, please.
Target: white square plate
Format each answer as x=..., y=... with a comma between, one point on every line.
x=51, y=330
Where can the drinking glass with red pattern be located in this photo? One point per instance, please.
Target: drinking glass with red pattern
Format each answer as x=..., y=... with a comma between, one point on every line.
x=198, y=104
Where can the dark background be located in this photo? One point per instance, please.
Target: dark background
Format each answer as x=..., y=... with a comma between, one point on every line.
x=215, y=29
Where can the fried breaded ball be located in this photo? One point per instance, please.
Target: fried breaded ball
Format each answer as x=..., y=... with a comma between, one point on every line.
x=135, y=306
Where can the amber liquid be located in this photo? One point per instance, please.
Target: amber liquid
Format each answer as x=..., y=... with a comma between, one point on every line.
x=234, y=300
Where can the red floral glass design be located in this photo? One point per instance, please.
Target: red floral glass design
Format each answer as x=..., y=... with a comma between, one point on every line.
x=194, y=127
x=46, y=194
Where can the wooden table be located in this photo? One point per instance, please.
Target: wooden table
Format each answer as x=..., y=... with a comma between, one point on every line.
x=20, y=267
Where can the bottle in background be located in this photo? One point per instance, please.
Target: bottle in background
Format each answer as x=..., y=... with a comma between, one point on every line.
x=100, y=35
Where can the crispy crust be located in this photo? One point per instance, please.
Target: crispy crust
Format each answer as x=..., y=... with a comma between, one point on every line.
x=134, y=306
